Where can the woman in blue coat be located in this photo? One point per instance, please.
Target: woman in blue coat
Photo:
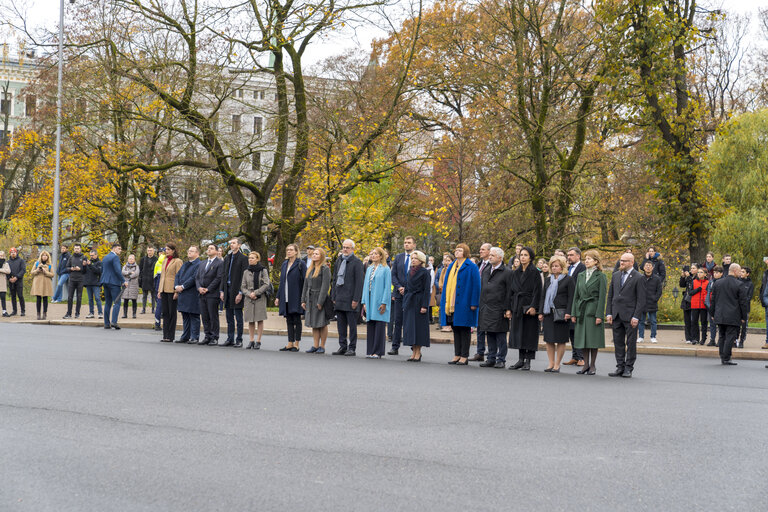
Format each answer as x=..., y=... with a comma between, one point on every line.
x=189, y=299
x=418, y=289
x=458, y=304
x=376, y=301
x=288, y=298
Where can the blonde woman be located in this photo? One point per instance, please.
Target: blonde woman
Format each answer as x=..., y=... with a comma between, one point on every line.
x=588, y=309
x=42, y=286
x=377, y=301
x=5, y=270
x=314, y=294
x=131, y=273
x=254, y=288
x=555, y=310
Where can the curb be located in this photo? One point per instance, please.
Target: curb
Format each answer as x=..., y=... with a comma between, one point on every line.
x=690, y=351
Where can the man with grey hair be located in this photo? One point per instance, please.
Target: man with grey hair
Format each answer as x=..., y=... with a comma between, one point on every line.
x=575, y=267
x=730, y=307
x=484, y=253
x=346, y=292
x=494, y=308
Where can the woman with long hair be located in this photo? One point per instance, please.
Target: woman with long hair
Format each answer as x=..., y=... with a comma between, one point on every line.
x=167, y=291
x=376, y=301
x=254, y=288
x=314, y=295
x=526, y=295
x=42, y=286
x=288, y=299
x=588, y=310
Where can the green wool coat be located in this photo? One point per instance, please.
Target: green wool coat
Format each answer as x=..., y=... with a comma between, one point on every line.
x=589, y=304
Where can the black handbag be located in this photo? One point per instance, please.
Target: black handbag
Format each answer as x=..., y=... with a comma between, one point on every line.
x=558, y=314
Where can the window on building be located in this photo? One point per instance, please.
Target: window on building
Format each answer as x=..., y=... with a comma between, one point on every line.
x=31, y=105
x=256, y=161
x=4, y=136
x=5, y=103
x=236, y=122
x=257, y=126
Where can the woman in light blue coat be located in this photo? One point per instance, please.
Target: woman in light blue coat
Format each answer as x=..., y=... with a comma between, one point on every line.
x=376, y=301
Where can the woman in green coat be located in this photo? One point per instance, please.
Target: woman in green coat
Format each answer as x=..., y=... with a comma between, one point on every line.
x=588, y=310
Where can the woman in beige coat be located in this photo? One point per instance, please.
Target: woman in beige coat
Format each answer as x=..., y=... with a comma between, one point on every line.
x=42, y=286
x=4, y=271
x=254, y=288
x=166, y=291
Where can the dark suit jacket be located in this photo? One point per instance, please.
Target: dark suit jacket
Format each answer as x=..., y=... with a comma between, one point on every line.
x=399, y=274
x=728, y=302
x=210, y=278
x=235, y=277
x=580, y=267
x=626, y=302
x=352, y=289
x=189, y=298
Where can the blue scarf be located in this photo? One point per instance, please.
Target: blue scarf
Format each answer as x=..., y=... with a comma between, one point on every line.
x=549, y=298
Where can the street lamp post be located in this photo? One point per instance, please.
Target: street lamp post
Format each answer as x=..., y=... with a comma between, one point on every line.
x=57, y=174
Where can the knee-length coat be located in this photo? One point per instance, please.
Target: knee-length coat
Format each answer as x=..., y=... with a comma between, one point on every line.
x=418, y=289
x=589, y=304
x=292, y=282
x=131, y=274
x=255, y=310
x=41, y=282
x=495, y=299
x=316, y=292
x=189, y=298
x=526, y=294
x=377, y=290
x=467, y=295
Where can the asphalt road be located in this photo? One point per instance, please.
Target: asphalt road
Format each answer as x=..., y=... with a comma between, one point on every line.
x=116, y=421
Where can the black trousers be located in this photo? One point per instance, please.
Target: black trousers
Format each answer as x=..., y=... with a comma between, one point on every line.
x=144, y=299
x=743, y=329
x=462, y=338
x=575, y=353
x=625, y=344
x=125, y=306
x=377, y=337
x=293, y=323
x=346, y=321
x=74, y=287
x=42, y=302
x=169, y=316
x=2, y=299
x=17, y=290
x=497, y=346
x=728, y=336
x=687, y=322
x=397, y=321
x=699, y=318
x=209, y=313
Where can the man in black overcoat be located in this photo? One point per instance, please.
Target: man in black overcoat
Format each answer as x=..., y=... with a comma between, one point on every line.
x=234, y=266
x=494, y=310
x=730, y=308
x=346, y=292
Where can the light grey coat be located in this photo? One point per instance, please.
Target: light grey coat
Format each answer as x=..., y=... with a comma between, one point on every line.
x=254, y=310
x=315, y=292
x=5, y=270
x=131, y=275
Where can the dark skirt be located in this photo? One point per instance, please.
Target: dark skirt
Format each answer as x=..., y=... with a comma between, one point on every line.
x=555, y=332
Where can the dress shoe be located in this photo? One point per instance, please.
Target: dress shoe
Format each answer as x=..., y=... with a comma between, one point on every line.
x=547, y=370
x=713, y=344
x=228, y=343
x=320, y=350
x=488, y=364
x=340, y=352
x=296, y=349
x=729, y=363
x=349, y=353
x=287, y=349
x=526, y=365
x=393, y=352
x=465, y=363
x=519, y=364
x=213, y=343
x=478, y=357
x=618, y=373
x=499, y=364
x=554, y=370
x=250, y=345
x=238, y=344
x=454, y=362
x=627, y=373
x=310, y=350
x=569, y=363
x=115, y=327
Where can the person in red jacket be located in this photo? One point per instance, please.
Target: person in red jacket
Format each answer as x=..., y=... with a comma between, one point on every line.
x=699, y=307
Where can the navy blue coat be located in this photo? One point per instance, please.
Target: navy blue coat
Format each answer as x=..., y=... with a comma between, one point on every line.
x=189, y=298
x=417, y=295
x=294, y=280
x=112, y=270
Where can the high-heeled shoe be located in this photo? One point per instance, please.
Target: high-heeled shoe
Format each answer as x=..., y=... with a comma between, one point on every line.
x=583, y=371
x=417, y=360
x=455, y=361
x=591, y=371
x=250, y=345
x=257, y=346
x=465, y=363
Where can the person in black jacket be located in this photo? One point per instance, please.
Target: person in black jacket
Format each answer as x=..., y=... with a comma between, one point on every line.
x=415, y=305
x=208, y=284
x=288, y=298
x=346, y=292
x=147, y=278
x=61, y=271
x=16, y=280
x=729, y=307
x=525, y=299
x=555, y=311
x=686, y=285
x=764, y=299
x=658, y=264
x=750, y=287
x=653, y=289
x=493, y=311
x=91, y=282
x=76, y=268
x=234, y=266
x=575, y=267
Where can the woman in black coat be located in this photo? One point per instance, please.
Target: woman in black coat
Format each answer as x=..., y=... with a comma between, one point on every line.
x=555, y=311
x=416, y=298
x=288, y=297
x=526, y=295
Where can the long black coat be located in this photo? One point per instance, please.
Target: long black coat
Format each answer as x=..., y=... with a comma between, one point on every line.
x=417, y=295
x=352, y=289
x=147, y=272
x=729, y=304
x=231, y=279
x=294, y=280
x=495, y=299
x=526, y=294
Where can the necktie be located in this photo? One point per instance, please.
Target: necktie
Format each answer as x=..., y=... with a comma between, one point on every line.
x=229, y=275
x=482, y=266
x=207, y=265
x=570, y=270
x=624, y=277
x=407, y=265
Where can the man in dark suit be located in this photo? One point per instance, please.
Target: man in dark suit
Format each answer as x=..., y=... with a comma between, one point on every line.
x=575, y=267
x=208, y=284
x=346, y=292
x=730, y=308
x=625, y=305
x=400, y=268
x=188, y=301
x=235, y=264
x=484, y=254
x=112, y=281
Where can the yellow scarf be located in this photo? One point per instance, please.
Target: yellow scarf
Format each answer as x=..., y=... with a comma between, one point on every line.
x=450, y=288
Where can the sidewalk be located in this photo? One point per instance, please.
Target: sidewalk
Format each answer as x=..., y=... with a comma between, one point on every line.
x=670, y=341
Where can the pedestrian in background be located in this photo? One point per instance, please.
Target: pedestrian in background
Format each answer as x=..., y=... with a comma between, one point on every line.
x=459, y=302
x=156, y=287
x=5, y=270
x=167, y=292
x=254, y=286
x=63, y=274
x=91, y=282
x=18, y=268
x=440, y=287
x=376, y=302
x=131, y=273
x=749, y=286
x=653, y=289
x=288, y=299
x=686, y=285
x=146, y=279
x=699, y=311
x=763, y=299
x=42, y=287
x=76, y=269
